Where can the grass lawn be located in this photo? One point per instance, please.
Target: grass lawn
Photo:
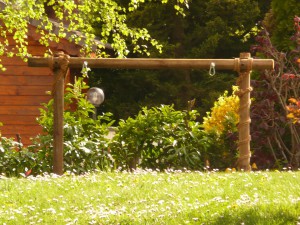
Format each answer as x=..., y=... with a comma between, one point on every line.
x=146, y=197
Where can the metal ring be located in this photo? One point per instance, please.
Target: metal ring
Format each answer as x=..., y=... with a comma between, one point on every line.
x=212, y=69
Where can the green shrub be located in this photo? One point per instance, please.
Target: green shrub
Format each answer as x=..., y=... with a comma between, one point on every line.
x=14, y=161
x=159, y=138
x=85, y=145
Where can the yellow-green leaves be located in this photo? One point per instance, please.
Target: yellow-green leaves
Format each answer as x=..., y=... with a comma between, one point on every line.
x=86, y=17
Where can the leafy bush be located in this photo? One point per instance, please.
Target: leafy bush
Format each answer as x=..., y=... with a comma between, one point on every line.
x=160, y=137
x=224, y=114
x=276, y=139
x=85, y=145
x=157, y=138
x=220, y=126
x=13, y=161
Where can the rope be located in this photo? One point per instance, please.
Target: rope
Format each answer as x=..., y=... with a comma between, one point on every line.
x=245, y=141
x=243, y=157
x=245, y=123
x=240, y=93
x=241, y=77
x=243, y=96
x=61, y=65
x=249, y=65
x=236, y=66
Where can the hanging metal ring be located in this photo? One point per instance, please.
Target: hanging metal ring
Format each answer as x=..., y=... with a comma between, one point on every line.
x=212, y=69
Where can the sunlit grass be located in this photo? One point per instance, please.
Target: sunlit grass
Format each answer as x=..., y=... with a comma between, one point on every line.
x=149, y=197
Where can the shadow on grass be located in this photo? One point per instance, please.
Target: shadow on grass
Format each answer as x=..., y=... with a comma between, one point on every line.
x=257, y=216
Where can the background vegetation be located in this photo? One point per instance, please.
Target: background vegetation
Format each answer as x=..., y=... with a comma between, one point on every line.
x=158, y=121
x=138, y=99
x=209, y=29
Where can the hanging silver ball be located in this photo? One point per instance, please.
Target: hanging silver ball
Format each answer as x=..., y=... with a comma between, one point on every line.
x=95, y=96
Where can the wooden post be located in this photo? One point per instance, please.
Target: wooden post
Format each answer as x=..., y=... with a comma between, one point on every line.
x=60, y=69
x=244, y=68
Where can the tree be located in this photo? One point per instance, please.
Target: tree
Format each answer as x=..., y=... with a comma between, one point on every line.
x=278, y=22
x=272, y=91
x=209, y=29
x=76, y=15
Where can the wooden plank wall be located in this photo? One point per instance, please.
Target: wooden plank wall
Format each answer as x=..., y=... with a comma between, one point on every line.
x=22, y=91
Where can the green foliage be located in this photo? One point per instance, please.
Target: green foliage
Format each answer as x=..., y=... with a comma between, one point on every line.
x=279, y=23
x=85, y=145
x=160, y=137
x=210, y=29
x=205, y=31
x=13, y=162
x=107, y=15
x=156, y=138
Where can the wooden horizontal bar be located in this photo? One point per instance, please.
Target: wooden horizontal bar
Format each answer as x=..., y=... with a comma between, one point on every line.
x=147, y=63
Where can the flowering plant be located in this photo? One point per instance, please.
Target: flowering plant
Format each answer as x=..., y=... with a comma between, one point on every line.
x=275, y=106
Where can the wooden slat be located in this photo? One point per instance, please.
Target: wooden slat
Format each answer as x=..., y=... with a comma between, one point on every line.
x=11, y=41
x=18, y=120
x=26, y=80
x=19, y=110
x=23, y=100
x=25, y=70
x=33, y=37
x=24, y=90
x=21, y=129
x=37, y=50
x=26, y=132
x=34, y=49
x=13, y=61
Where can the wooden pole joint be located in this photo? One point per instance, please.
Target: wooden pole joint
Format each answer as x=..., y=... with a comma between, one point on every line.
x=244, y=63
